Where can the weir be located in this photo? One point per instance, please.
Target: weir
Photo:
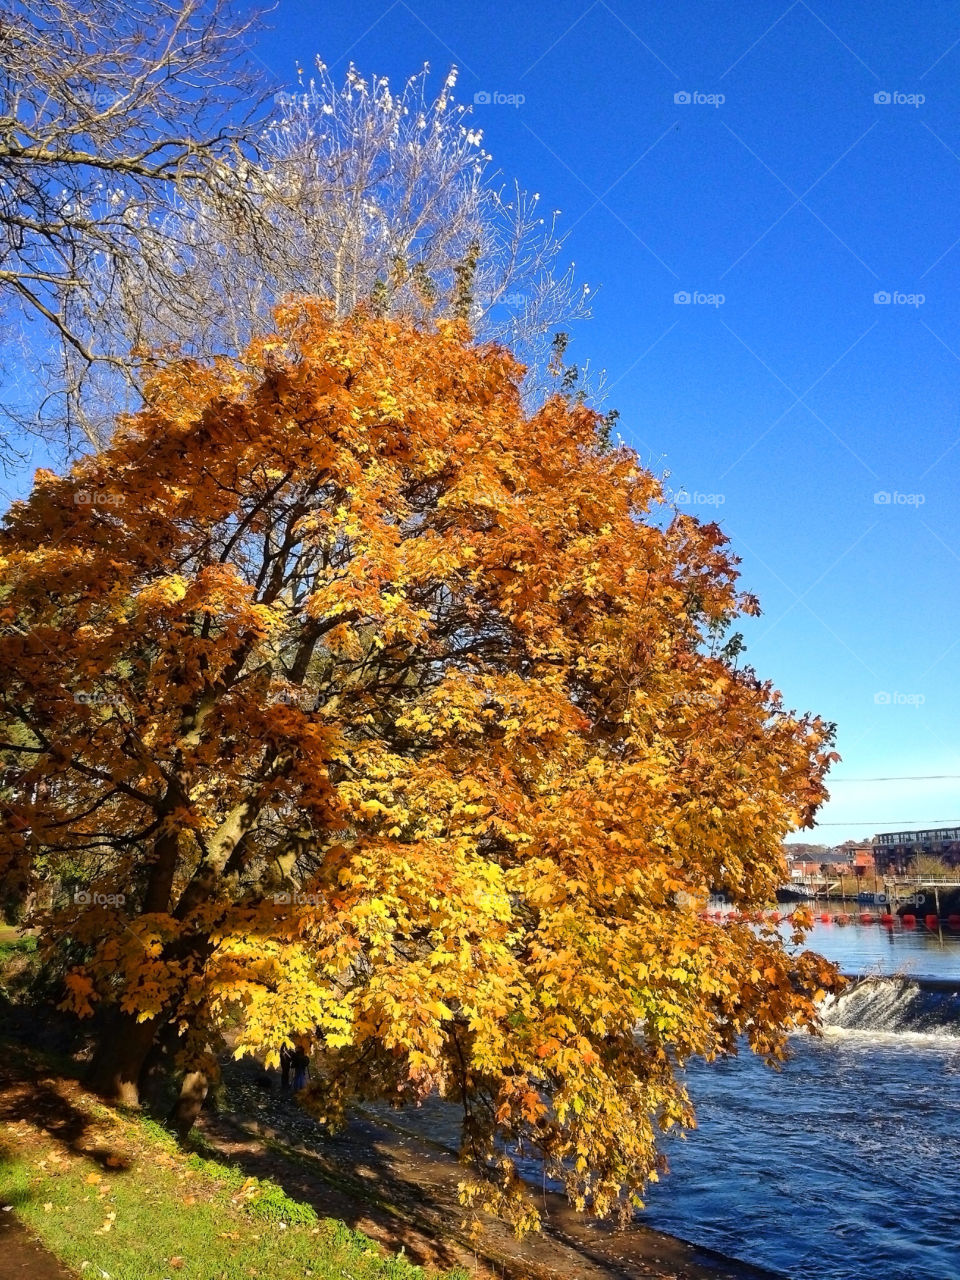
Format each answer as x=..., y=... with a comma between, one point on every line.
x=896, y=1005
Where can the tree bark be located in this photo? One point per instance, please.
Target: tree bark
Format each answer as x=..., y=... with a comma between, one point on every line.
x=157, y=1074
x=193, y=1092
x=119, y=1058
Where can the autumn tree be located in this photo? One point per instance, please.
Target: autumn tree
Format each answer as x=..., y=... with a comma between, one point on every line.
x=359, y=702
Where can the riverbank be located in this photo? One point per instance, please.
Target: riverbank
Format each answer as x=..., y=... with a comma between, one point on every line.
x=87, y=1190
x=390, y=1173
x=267, y=1193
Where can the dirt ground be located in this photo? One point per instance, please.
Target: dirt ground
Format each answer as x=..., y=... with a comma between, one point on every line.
x=401, y=1188
x=22, y=1258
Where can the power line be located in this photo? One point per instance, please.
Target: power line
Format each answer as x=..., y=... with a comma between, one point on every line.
x=907, y=777
x=894, y=822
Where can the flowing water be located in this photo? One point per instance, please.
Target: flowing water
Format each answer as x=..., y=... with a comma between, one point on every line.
x=842, y=1166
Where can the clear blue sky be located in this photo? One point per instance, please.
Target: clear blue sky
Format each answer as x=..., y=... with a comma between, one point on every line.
x=798, y=398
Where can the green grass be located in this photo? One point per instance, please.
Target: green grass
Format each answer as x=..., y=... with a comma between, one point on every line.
x=12, y=944
x=131, y=1205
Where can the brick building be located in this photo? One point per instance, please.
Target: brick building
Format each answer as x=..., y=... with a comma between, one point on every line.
x=894, y=851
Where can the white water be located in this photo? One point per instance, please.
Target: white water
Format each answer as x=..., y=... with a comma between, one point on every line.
x=894, y=1006
x=842, y=1166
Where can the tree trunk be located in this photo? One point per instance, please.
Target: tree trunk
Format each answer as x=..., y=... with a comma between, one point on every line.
x=157, y=1073
x=185, y=1110
x=119, y=1058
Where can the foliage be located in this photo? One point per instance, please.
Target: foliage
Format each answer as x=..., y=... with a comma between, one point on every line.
x=380, y=709
x=930, y=865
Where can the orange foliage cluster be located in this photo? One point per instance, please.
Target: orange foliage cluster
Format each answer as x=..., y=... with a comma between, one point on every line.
x=392, y=710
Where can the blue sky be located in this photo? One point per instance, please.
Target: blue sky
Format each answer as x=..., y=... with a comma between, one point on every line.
x=790, y=406
x=798, y=399
x=799, y=162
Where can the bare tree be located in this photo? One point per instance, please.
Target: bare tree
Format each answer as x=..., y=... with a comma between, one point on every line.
x=363, y=195
x=108, y=108
x=133, y=220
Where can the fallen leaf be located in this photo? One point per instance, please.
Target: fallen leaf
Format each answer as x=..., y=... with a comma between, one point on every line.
x=92, y=1179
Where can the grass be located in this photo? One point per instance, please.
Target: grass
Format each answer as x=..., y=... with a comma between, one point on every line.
x=112, y=1195
x=12, y=944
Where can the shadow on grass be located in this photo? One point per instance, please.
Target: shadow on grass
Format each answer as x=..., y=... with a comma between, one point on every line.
x=28, y=1095
x=352, y=1177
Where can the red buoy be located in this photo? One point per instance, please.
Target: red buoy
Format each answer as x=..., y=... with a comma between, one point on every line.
x=866, y=917
x=908, y=919
x=825, y=917
x=932, y=921
x=886, y=918
x=953, y=921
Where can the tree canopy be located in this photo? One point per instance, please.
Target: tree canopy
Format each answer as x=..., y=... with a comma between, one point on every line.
x=352, y=698
x=111, y=113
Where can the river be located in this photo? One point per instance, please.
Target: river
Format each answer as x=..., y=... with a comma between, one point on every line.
x=841, y=1166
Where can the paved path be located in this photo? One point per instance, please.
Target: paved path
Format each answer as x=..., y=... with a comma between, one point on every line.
x=22, y=1258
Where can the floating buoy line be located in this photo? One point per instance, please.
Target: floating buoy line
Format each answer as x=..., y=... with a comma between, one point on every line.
x=885, y=918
